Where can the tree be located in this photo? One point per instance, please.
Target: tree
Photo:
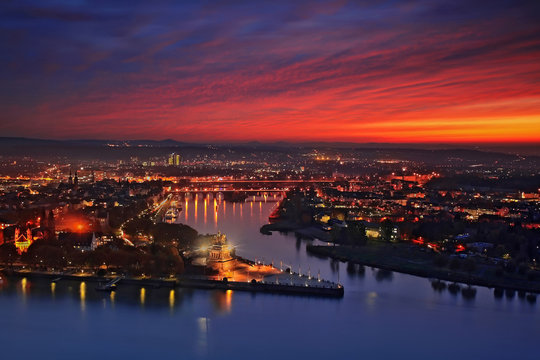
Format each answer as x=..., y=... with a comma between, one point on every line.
x=51, y=224
x=510, y=266
x=454, y=264
x=469, y=265
x=387, y=230
x=183, y=235
x=336, y=234
x=43, y=252
x=136, y=225
x=440, y=260
x=356, y=233
x=8, y=253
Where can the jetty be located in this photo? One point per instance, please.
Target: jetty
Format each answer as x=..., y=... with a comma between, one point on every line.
x=275, y=285
x=111, y=285
x=323, y=290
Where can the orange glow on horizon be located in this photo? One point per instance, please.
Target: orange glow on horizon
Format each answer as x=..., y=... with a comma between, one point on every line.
x=440, y=78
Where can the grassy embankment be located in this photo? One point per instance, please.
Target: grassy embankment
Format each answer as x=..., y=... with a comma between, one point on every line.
x=407, y=258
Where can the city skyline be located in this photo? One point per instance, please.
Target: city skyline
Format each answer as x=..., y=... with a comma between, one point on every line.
x=415, y=72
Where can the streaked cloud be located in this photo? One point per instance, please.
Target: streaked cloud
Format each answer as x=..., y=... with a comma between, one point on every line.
x=271, y=70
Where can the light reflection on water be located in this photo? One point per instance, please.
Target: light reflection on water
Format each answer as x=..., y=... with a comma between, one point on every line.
x=82, y=291
x=377, y=307
x=202, y=342
x=171, y=299
x=142, y=296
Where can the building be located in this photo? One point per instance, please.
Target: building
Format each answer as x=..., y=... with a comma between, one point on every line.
x=4, y=223
x=102, y=218
x=22, y=241
x=84, y=241
x=174, y=159
x=373, y=231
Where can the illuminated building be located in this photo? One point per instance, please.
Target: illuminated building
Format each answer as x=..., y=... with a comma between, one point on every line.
x=4, y=224
x=174, y=160
x=219, y=254
x=372, y=231
x=22, y=242
x=102, y=219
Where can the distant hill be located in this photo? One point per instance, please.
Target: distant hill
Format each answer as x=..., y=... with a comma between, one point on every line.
x=124, y=149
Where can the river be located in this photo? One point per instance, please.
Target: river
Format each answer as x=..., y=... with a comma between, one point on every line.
x=381, y=316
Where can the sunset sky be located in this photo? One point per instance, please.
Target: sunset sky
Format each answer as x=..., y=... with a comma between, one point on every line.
x=361, y=71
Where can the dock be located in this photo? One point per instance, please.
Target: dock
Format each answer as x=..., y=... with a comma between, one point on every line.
x=324, y=289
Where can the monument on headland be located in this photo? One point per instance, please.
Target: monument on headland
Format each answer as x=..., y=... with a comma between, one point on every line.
x=219, y=254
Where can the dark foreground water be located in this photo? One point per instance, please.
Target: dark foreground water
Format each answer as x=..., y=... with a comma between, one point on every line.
x=382, y=316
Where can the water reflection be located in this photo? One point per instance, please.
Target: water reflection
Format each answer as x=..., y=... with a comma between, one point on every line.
x=438, y=285
x=334, y=266
x=202, y=343
x=85, y=293
x=205, y=210
x=196, y=201
x=371, y=299
x=82, y=292
x=510, y=294
x=143, y=296
x=355, y=270
x=384, y=275
x=171, y=299
x=468, y=293
x=186, y=209
x=298, y=243
x=454, y=288
x=24, y=287
x=222, y=300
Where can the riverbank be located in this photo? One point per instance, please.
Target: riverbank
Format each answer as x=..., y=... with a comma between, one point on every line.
x=305, y=232
x=335, y=291
x=149, y=282
x=281, y=226
x=402, y=258
x=265, y=287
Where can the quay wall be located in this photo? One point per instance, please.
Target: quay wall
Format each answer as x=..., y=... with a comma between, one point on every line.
x=445, y=275
x=186, y=281
x=263, y=287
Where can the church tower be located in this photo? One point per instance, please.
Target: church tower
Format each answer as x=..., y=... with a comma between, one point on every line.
x=51, y=224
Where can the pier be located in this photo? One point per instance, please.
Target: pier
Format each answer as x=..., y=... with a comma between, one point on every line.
x=276, y=286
